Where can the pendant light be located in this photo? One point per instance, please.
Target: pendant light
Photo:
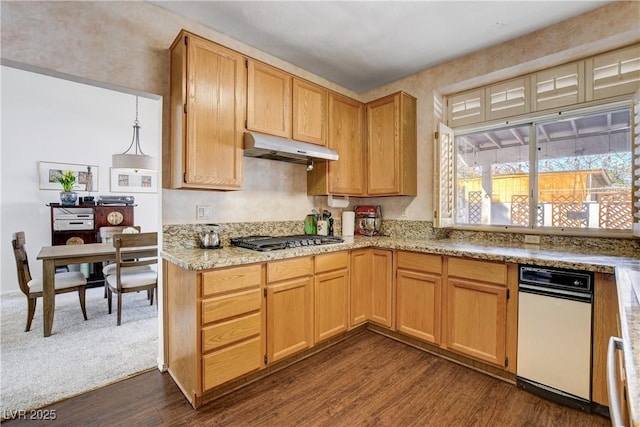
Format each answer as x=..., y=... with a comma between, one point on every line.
x=134, y=158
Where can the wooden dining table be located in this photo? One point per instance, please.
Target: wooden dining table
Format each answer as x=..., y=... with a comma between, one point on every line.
x=54, y=256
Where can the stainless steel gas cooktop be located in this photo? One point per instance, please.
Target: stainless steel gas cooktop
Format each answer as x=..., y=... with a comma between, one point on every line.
x=269, y=243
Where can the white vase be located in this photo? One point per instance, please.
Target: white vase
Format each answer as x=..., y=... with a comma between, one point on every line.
x=68, y=198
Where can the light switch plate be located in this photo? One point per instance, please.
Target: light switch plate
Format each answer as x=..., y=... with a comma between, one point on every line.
x=203, y=212
x=532, y=239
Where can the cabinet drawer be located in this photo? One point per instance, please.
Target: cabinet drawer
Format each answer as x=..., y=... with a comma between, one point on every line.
x=329, y=262
x=220, y=308
x=289, y=269
x=230, y=363
x=225, y=333
x=230, y=279
x=485, y=271
x=427, y=263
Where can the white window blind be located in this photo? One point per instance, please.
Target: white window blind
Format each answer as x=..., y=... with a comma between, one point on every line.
x=444, y=177
x=508, y=98
x=614, y=73
x=558, y=86
x=466, y=108
x=636, y=164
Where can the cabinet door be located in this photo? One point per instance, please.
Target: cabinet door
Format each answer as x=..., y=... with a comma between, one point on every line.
x=309, y=112
x=214, y=116
x=381, y=287
x=230, y=363
x=102, y=216
x=268, y=100
x=476, y=319
x=392, y=167
x=346, y=175
x=383, y=144
x=605, y=325
x=418, y=306
x=289, y=317
x=360, y=295
x=331, y=296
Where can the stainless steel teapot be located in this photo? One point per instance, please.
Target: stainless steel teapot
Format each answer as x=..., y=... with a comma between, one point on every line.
x=210, y=238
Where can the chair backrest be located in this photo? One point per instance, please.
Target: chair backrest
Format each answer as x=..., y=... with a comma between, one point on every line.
x=126, y=240
x=22, y=262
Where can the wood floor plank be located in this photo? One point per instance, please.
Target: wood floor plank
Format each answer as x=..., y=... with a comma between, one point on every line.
x=366, y=380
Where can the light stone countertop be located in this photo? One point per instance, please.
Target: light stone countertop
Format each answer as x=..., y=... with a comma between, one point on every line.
x=628, y=284
x=625, y=264
x=566, y=257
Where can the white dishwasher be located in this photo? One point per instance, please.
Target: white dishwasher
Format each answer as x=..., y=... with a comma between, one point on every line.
x=554, y=334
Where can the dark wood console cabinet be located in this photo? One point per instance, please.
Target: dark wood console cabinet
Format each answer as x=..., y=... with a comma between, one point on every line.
x=103, y=216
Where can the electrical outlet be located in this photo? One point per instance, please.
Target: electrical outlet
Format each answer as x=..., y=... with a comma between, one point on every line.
x=532, y=239
x=203, y=212
x=403, y=211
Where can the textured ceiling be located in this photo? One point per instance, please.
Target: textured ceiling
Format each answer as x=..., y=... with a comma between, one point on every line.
x=361, y=45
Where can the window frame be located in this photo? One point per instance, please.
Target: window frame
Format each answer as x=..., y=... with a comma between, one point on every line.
x=531, y=120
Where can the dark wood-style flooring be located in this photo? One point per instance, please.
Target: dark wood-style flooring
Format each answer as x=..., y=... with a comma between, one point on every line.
x=367, y=380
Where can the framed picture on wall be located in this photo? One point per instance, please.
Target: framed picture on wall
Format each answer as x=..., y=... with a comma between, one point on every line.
x=86, y=176
x=127, y=181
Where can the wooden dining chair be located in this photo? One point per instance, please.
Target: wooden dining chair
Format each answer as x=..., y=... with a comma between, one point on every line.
x=106, y=236
x=131, y=275
x=32, y=288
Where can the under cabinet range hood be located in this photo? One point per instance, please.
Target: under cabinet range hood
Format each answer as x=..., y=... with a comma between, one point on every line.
x=286, y=150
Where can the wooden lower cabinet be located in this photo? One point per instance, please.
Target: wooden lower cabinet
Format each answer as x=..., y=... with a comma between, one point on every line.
x=476, y=309
x=359, y=299
x=221, y=323
x=418, y=295
x=382, y=287
x=289, y=307
x=213, y=324
x=331, y=295
x=231, y=362
x=605, y=325
x=371, y=287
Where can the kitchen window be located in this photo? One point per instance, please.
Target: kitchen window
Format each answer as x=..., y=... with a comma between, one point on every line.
x=572, y=170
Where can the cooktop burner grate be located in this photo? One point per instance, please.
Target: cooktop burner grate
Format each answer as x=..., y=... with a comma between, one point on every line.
x=269, y=243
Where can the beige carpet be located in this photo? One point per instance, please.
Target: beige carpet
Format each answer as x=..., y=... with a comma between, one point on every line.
x=79, y=356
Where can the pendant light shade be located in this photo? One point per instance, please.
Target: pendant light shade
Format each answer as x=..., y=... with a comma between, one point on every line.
x=134, y=158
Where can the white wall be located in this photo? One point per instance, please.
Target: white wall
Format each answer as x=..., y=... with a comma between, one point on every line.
x=54, y=120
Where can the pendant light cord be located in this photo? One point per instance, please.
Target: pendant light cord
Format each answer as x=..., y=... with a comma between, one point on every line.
x=136, y=135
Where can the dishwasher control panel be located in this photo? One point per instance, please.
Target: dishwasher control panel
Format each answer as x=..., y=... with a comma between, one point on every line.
x=557, y=278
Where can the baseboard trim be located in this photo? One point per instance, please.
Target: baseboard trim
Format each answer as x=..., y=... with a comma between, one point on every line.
x=467, y=362
x=230, y=387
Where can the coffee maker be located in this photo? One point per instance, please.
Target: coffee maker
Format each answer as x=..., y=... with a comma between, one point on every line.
x=368, y=220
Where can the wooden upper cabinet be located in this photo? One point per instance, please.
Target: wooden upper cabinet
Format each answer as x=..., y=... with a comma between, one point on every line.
x=207, y=114
x=344, y=176
x=392, y=146
x=282, y=105
x=268, y=100
x=309, y=112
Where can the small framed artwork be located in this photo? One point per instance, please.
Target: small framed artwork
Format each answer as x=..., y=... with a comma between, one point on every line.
x=127, y=181
x=86, y=176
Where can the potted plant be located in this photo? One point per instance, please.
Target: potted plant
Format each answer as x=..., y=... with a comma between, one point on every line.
x=67, y=196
